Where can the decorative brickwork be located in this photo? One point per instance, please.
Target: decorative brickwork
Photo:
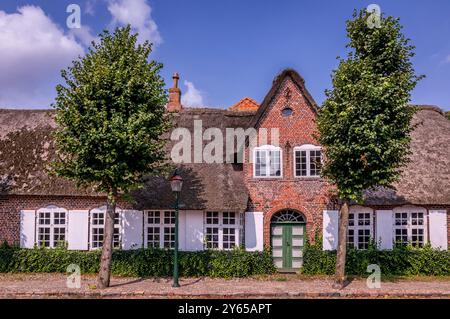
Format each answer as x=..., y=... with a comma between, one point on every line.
x=309, y=196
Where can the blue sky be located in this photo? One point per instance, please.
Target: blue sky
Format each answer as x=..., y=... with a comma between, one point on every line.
x=224, y=50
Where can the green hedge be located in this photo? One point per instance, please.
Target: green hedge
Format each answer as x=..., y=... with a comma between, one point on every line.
x=400, y=261
x=140, y=262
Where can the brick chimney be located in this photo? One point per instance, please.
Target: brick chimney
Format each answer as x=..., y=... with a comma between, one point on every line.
x=174, y=104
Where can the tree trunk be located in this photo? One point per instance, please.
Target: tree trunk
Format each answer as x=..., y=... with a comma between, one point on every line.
x=104, y=274
x=342, y=247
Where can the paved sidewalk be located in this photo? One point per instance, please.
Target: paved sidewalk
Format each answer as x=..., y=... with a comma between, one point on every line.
x=279, y=286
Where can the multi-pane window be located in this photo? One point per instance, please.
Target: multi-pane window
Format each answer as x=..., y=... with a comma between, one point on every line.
x=267, y=161
x=160, y=229
x=169, y=237
x=51, y=227
x=359, y=229
x=307, y=161
x=212, y=237
x=229, y=238
x=98, y=229
x=222, y=230
x=153, y=237
x=409, y=227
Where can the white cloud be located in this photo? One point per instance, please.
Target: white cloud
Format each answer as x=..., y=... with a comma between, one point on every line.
x=137, y=13
x=84, y=35
x=89, y=7
x=192, y=97
x=33, y=50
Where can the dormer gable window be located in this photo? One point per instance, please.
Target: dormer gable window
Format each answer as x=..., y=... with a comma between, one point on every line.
x=267, y=161
x=307, y=160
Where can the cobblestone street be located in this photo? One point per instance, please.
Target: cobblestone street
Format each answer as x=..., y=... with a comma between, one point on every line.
x=279, y=286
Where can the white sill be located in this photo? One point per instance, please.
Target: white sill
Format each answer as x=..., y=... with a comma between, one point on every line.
x=267, y=177
x=307, y=177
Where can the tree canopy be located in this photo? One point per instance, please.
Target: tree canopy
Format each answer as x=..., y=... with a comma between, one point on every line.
x=364, y=123
x=111, y=114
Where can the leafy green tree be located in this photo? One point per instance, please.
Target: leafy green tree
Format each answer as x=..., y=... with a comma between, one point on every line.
x=448, y=115
x=110, y=117
x=364, y=124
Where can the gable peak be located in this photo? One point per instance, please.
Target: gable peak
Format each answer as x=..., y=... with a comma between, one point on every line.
x=247, y=104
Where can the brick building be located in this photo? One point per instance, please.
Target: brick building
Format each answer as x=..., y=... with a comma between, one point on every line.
x=267, y=193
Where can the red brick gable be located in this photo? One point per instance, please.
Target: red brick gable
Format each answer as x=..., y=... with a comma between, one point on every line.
x=299, y=85
x=296, y=129
x=310, y=196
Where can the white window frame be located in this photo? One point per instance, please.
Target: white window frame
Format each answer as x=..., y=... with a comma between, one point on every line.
x=306, y=148
x=52, y=210
x=220, y=226
x=409, y=210
x=118, y=225
x=161, y=225
x=356, y=227
x=267, y=149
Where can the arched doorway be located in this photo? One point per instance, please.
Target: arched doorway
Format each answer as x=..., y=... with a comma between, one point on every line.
x=287, y=233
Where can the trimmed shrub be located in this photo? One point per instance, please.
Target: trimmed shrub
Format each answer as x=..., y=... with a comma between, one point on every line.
x=400, y=261
x=140, y=262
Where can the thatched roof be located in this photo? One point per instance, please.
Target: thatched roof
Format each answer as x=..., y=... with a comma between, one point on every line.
x=207, y=186
x=426, y=179
x=27, y=148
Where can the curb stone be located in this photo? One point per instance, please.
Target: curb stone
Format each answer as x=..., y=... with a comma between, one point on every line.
x=232, y=295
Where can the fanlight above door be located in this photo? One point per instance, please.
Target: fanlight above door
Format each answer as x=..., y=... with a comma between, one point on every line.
x=288, y=216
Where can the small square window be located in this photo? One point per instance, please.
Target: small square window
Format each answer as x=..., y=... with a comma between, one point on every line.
x=153, y=217
x=169, y=218
x=229, y=218
x=212, y=218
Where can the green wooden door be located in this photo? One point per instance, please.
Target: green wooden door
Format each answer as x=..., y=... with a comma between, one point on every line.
x=287, y=245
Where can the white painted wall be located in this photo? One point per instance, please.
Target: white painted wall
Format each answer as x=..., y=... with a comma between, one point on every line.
x=254, y=231
x=78, y=230
x=384, y=234
x=438, y=229
x=330, y=229
x=182, y=229
x=191, y=230
x=27, y=228
x=132, y=229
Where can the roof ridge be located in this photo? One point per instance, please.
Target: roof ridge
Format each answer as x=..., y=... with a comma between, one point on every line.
x=428, y=107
